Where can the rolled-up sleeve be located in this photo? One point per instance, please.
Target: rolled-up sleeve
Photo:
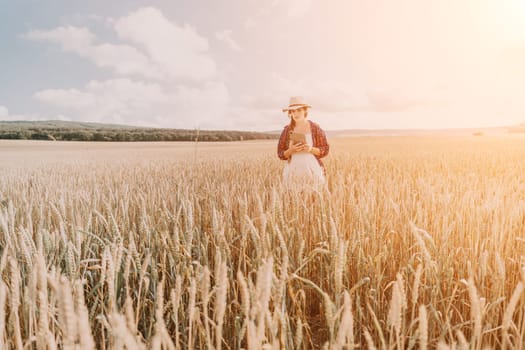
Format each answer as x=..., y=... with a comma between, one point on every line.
x=283, y=144
x=322, y=143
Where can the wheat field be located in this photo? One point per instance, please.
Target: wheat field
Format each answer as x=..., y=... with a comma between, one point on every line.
x=415, y=243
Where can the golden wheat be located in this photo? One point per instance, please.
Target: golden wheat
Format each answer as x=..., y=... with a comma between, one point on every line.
x=415, y=242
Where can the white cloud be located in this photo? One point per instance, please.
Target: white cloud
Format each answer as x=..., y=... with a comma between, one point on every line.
x=163, y=50
x=332, y=96
x=129, y=101
x=4, y=112
x=69, y=99
x=72, y=39
x=328, y=96
x=179, y=50
x=164, y=74
x=124, y=59
x=226, y=36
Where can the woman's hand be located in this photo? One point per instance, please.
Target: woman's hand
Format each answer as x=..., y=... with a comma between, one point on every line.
x=298, y=147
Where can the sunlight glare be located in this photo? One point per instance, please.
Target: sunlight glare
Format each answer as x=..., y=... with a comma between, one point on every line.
x=512, y=19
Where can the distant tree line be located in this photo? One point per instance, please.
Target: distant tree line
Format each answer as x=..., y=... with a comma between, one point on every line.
x=104, y=134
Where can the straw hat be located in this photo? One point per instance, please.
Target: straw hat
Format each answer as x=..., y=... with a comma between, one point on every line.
x=296, y=102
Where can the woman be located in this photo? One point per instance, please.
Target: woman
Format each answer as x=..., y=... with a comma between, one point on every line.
x=304, y=159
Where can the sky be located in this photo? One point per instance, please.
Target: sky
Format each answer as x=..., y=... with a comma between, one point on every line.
x=234, y=64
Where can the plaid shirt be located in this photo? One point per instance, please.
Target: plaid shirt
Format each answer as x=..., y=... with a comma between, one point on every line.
x=318, y=138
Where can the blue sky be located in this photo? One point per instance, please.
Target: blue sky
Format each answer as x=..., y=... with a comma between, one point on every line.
x=234, y=64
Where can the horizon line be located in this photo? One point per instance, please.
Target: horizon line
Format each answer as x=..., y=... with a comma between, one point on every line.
x=444, y=128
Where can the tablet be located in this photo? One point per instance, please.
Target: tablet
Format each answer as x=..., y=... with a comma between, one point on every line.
x=297, y=137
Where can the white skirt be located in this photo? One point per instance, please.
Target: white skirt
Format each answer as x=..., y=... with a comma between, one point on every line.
x=303, y=169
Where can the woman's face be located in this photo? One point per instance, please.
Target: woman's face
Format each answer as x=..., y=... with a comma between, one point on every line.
x=298, y=114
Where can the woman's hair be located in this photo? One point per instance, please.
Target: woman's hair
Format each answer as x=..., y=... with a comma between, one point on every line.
x=292, y=121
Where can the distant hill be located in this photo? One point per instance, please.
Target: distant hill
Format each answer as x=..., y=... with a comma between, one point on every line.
x=85, y=131
x=416, y=132
x=63, y=124
x=520, y=128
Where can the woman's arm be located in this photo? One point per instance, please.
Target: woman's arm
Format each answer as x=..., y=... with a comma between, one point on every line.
x=315, y=151
x=321, y=144
x=282, y=146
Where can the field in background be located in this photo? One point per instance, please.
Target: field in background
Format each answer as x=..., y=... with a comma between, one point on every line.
x=417, y=242
x=86, y=131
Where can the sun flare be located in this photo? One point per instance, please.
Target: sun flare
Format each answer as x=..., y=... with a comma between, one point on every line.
x=511, y=19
